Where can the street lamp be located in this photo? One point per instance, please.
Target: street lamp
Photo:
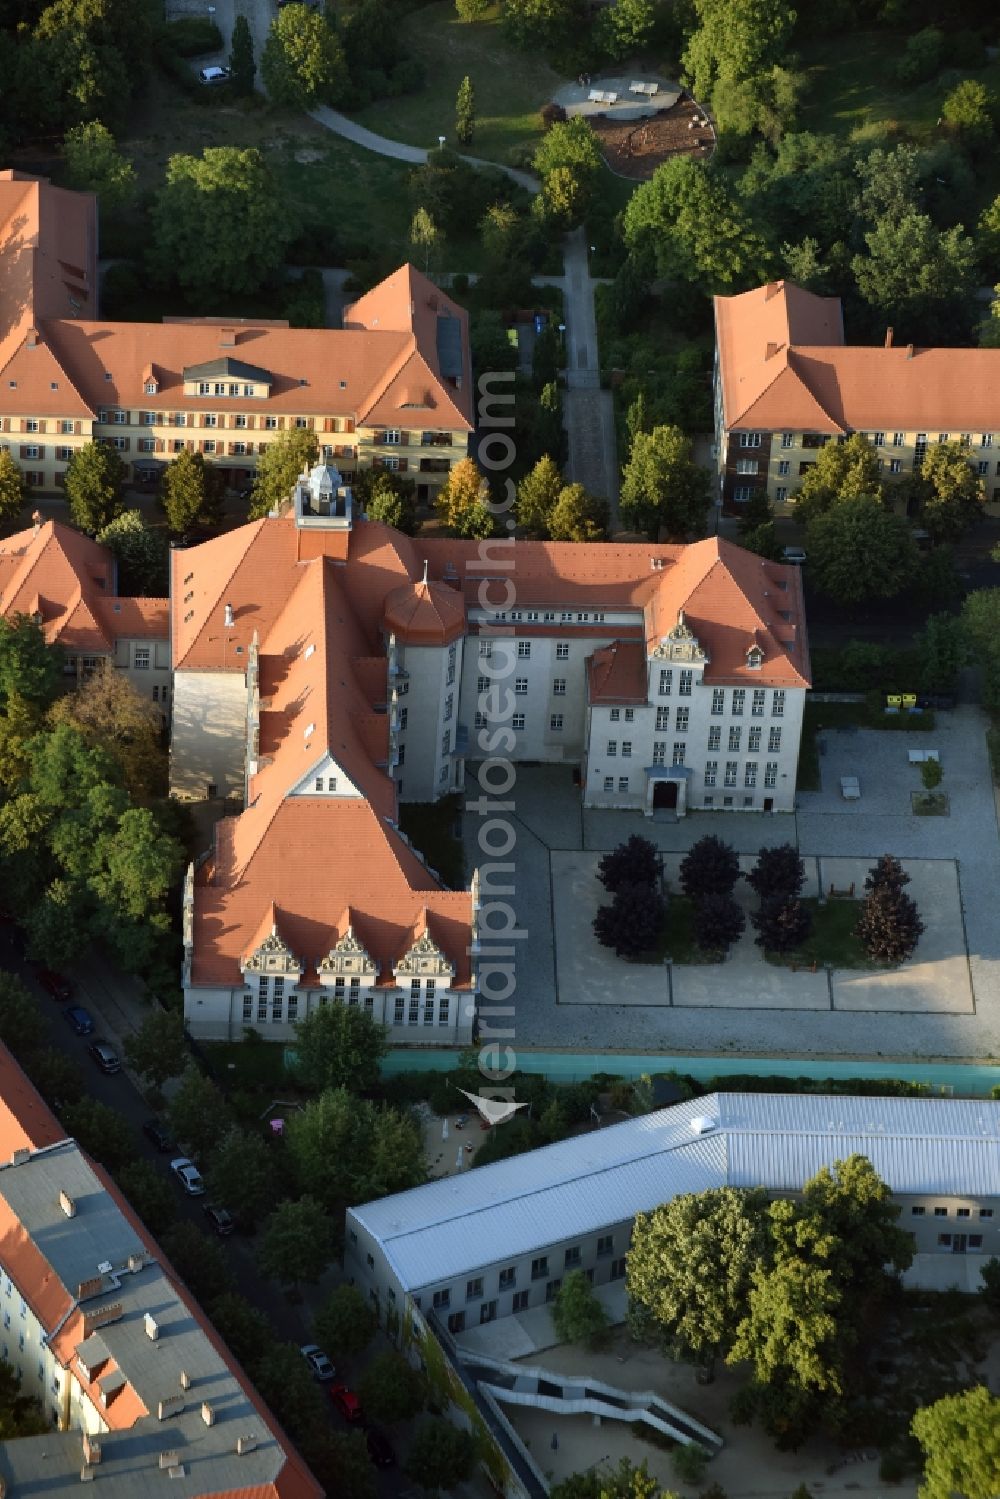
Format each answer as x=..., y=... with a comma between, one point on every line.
x=441, y=141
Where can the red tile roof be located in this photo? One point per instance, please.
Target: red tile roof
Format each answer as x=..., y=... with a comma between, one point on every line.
x=784, y=365
x=617, y=674
x=425, y=613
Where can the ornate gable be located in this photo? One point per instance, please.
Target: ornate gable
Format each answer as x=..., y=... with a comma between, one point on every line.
x=680, y=644
x=272, y=955
x=347, y=957
x=426, y=958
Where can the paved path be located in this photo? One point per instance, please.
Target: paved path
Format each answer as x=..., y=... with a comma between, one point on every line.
x=588, y=411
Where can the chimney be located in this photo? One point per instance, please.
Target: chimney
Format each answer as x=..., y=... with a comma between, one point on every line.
x=152, y=1328
x=67, y=1204
x=227, y=618
x=36, y=519
x=771, y=290
x=208, y=1413
x=32, y=338
x=888, y=338
x=185, y=1380
x=227, y=338
x=19, y=1157
x=245, y=1444
x=91, y=1448
x=168, y=1459
x=909, y=351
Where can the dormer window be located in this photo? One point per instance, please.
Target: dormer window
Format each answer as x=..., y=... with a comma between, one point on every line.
x=151, y=388
x=755, y=658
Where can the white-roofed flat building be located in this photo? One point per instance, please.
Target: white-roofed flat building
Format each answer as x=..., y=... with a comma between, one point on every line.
x=498, y=1240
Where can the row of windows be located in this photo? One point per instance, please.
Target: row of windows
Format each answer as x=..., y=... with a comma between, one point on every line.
x=758, y=702
x=523, y=649
x=507, y=1278
x=732, y=772
x=549, y=617
x=942, y=1212
x=755, y=735
x=877, y=439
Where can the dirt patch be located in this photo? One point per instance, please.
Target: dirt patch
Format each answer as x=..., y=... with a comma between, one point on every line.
x=635, y=148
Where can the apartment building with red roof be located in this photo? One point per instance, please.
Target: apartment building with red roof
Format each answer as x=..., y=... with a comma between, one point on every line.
x=327, y=668
x=391, y=388
x=138, y=1386
x=786, y=383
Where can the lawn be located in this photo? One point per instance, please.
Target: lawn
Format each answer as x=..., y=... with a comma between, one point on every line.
x=832, y=940
x=430, y=827
x=510, y=87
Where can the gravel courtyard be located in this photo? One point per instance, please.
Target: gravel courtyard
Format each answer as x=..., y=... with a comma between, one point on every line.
x=944, y=1004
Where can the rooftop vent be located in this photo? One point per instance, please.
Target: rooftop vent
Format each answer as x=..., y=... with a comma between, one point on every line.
x=91, y=1448
x=171, y=1406
x=105, y=1267
x=135, y=1263
x=185, y=1380
x=168, y=1459
x=152, y=1327
x=227, y=618
x=246, y=1444
x=86, y=1474
x=702, y=1124
x=19, y=1157
x=67, y=1204
x=208, y=1413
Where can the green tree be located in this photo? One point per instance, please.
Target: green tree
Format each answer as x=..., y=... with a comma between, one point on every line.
x=141, y=554
x=283, y=1379
x=94, y=164
x=916, y=276
x=199, y=1261
x=662, y=488
x=981, y=629
x=345, y=1150
x=150, y=1194
x=625, y=28
x=339, y=1046
x=197, y=1113
x=425, y=237
x=695, y=229
x=803, y=263
x=241, y=1175
x=391, y=1389
x=577, y=516
x=498, y=229
x=157, y=1050
x=441, y=1455
x=970, y=110
x=242, y=64
x=21, y=1415
x=570, y=155
x=303, y=61
x=689, y=1270
x=346, y=1322
x=930, y=774
x=279, y=467
x=22, y=1028
x=388, y=498
x=243, y=1328
x=537, y=494
x=111, y=715
x=577, y=1314
x=220, y=223
x=472, y=10
x=193, y=492
x=296, y=1243
x=710, y=867
x=465, y=111
x=13, y=490
x=735, y=40
x=463, y=502
x=634, y=862
x=30, y=669
x=957, y=494
x=101, y=1131
x=989, y=1289
x=94, y=478
x=859, y=550
x=541, y=24
x=57, y=1077
x=841, y=471
x=626, y=1481
x=960, y=1436
x=343, y=1463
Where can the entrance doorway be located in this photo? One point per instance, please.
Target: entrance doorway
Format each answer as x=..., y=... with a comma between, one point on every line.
x=769, y=804
x=959, y=1243
x=665, y=796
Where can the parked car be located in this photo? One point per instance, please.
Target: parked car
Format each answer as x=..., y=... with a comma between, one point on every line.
x=380, y=1448
x=80, y=1019
x=214, y=74
x=55, y=984
x=220, y=1220
x=793, y=555
x=318, y=1362
x=105, y=1056
x=347, y=1403
x=159, y=1135
x=188, y=1175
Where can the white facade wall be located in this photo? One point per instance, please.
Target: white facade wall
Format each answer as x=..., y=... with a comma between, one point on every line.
x=23, y=1347
x=208, y=734
x=223, y=1014
x=432, y=675
x=660, y=734
x=146, y=663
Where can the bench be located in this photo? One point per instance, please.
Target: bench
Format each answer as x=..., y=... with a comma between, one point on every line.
x=598, y=96
x=917, y=757
x=648, y=89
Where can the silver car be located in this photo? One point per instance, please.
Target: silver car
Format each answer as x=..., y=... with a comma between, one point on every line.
x=318, y=1362
x=188, y=1175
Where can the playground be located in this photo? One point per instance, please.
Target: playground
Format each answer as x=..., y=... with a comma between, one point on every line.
x=641, y=121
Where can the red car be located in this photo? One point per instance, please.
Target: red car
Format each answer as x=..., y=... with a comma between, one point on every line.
x=347, y=1403
x=55, y=984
